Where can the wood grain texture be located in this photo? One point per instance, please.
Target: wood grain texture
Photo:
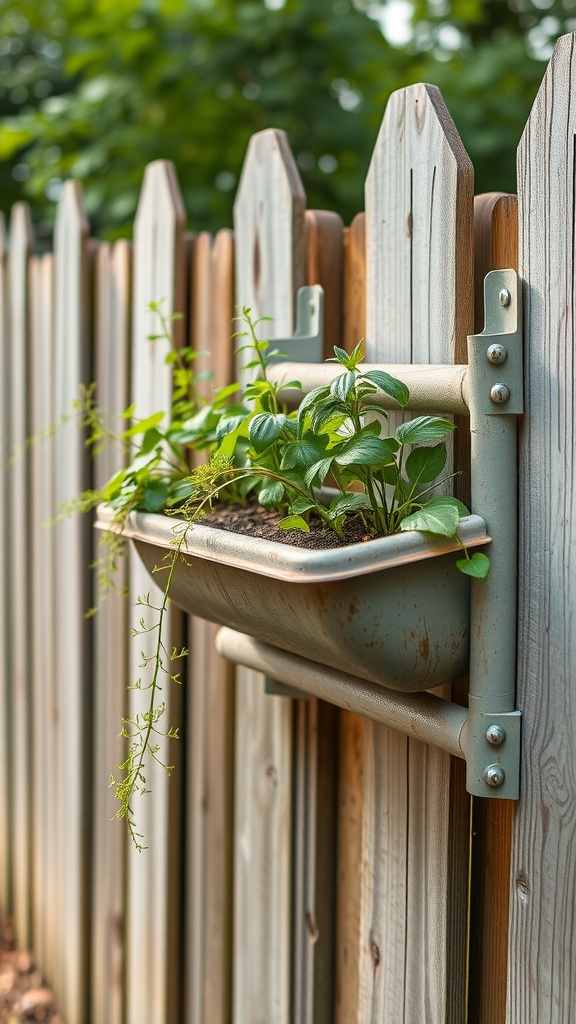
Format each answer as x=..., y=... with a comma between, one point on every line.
x=42, y=626
x=72, y=553
x=419, y=197
x=21, y=243
x=5, y=709
x=112, y=326
x=354, y=324
x=541, y=963
x=270, y=265
x=153, y=936
x=210, y=695
x=495, y=247
x=324, y=238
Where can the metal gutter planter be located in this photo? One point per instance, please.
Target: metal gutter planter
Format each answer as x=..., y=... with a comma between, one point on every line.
x=393, y=610
x=370, y=626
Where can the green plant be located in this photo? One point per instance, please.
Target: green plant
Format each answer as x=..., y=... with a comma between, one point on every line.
x=258, y=449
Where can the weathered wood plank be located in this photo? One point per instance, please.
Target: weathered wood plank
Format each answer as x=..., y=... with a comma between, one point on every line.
x=270, y=266
x=495, y=246
x=324, y=240
x=42, y=679
x=354, y=327
x=5, y=710
x=112, y=323
x=72, y=552
x=541, y=966
x=154, y=948
x=21, y=243
x=419, y=309
x=210, y=696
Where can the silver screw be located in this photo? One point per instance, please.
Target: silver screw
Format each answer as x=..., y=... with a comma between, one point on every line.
x=495, y=735
x=504, y=297
x=494, y=775
x=500, y=393
x=497, y=354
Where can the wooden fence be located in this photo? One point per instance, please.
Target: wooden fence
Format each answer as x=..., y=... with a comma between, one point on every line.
x=304, y=865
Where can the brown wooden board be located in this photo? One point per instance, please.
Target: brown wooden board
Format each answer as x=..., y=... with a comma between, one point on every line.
x=495, y=247
x=73, y=555
x=21, y=243
x=270, y=266
x=210, y=700
x=154, y=922
x=112, y=325
x=541, y=975
x=415, y=813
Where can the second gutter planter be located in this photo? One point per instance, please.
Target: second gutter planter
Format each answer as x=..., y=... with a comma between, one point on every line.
x=393, y=610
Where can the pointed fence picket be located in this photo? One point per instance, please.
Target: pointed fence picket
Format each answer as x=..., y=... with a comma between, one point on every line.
x=253, y=902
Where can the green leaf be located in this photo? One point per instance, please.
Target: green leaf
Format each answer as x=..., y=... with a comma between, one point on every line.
x=294, y=523
x=154, y=496
x=319, y=470
x=151, y=438
x=143, y=425
x=389, y=385
x=272, y=493
x=265, y=428
x=342, y=385
x=349, y=503
x=303, y=453
x=425, y=464
x=341, y=357
x=422, y=429
x=439, y=515
x=477, y=565
x=365, y=449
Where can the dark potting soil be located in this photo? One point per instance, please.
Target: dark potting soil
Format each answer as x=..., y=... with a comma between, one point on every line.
x=253, y=520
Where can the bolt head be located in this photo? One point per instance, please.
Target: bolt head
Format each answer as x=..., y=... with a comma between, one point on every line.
x=494, y=775
x=495, y=735
x=497, y=354
x=500, y=393
x=504, y=297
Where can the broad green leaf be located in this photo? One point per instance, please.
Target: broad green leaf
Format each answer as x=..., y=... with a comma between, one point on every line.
x=303, y=453
x=422, y=429
x=389, y=385
x=439, y=515
x=477, y=565
x=342, y=385
x=230, y=423
x=301, y=505
x=425, y=464
x=365, y=450
x=265, y=428
x=349, y=503
x=272, y=493
x=340, y=356
x=294, y=523
x=151, y=438
x=143, y=425
x=154, y=496
x=319, y=470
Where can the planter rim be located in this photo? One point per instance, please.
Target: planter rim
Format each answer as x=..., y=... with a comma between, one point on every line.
x=284, y=561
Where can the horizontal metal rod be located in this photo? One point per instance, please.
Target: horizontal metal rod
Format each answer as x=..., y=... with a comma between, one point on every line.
x=432, y=388
x=420, y=715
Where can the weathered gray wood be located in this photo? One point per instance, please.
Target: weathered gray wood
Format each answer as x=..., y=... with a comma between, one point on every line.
x=42, y=678
x=111, y=639
x=72, y=553
x=154, y=906
x=269, y=234
x=419, y=199
x=210, y=694
x=5, y=712
x=21, y=243
x=541, y=974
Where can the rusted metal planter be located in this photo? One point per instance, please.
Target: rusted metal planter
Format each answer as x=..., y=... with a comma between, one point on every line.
x=394, y=610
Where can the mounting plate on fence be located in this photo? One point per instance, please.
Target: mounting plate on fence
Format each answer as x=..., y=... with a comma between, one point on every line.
x=305, y=345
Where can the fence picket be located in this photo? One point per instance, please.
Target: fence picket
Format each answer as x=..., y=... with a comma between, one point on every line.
x=42, y=511
x=73, y=555
x=5, y=705
x=541, y=976
x=419, y=305
x=111, y=350
x=153, y=923
x=210, y=695
x=269, y=234
x=21, y=244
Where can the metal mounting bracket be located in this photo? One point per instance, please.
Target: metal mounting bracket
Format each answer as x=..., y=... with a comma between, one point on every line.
x=305, y=345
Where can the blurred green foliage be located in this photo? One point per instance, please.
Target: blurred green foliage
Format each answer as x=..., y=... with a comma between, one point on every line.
x=95, y=89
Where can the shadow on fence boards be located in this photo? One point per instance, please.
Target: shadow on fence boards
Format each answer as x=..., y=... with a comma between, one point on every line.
x=304, y=864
